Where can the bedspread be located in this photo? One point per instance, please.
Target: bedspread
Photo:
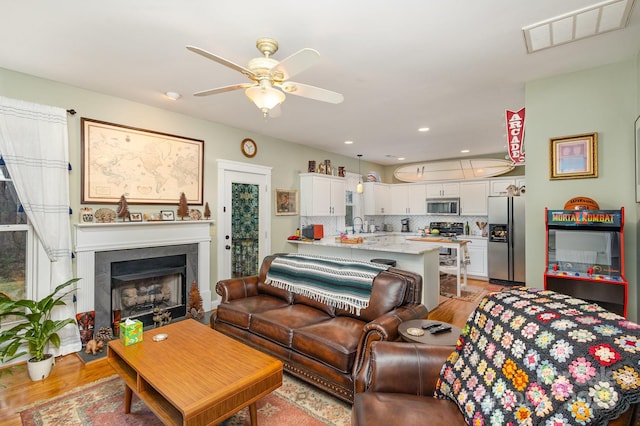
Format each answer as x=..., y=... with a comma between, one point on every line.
x=531, y=356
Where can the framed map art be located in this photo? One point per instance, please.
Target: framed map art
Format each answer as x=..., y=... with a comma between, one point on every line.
x=146, y=167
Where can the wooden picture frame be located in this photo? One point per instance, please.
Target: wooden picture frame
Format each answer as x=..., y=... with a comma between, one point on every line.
x=147, y=167
x=167, y=215
x=287, y=202
x=574, y=157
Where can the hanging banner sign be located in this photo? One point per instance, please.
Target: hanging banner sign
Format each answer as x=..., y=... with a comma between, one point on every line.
x=515, y=132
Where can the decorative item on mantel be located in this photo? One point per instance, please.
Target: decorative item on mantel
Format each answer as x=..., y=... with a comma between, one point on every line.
x=312, y=166
x=183, y=207
x=123, y=208
x=195, y=214
x=194, y=309
x=86, y=215
x=105, y=215
x=207, y=211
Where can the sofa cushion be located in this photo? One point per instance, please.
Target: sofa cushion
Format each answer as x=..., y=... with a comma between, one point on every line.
x=278, y=324
x=377, y=408
x=239, y=311
x=387, y=294
x=333, y=342
x=298, y=298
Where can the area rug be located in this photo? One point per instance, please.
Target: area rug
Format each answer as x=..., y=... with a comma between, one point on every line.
x=102, y=403
x=468, y=293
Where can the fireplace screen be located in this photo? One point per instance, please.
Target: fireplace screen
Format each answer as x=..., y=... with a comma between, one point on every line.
x=139, y=286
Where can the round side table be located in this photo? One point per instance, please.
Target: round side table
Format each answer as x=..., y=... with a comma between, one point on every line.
x=448, y=338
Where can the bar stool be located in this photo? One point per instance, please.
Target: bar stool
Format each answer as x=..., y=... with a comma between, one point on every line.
x=389, y=262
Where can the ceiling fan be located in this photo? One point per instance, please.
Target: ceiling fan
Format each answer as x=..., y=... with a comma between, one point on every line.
x=267, y=75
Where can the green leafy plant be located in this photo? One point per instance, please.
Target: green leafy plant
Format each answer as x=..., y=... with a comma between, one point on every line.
x=37, y=329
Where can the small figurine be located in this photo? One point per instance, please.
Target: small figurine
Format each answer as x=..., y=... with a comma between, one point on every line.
x=123, y=208
x=94, y=346
x=194, y=309
x=512, y=191
x=207, y=211
x=161, y=317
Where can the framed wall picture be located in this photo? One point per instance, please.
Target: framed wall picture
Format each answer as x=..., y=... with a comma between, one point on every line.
x=135, y=217
x=574, y=157
x=149, y=167
x=286, y=202
x=167, y=215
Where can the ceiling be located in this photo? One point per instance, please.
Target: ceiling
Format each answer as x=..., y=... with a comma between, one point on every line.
x=451, y=65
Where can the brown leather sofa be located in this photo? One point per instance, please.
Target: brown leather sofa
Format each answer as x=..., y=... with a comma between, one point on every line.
x=318, y=343
x=400, y=380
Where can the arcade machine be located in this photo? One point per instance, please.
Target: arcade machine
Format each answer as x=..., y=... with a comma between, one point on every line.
x=585, y=256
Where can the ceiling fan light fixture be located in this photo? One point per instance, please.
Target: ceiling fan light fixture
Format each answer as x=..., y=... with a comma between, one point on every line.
x=265, y=98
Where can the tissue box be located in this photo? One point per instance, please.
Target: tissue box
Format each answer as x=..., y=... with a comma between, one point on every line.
x=130, y=332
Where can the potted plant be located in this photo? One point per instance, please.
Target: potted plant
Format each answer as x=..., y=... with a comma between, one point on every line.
x=36, y=330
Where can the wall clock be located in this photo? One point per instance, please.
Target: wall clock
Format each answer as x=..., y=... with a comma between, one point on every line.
x=249, y=147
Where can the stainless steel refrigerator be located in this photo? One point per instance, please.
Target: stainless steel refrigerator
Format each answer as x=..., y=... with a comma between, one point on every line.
x=506, y=248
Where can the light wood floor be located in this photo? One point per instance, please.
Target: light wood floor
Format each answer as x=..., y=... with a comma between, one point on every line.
x=17, y=390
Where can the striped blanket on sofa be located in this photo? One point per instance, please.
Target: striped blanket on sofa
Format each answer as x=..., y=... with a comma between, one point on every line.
x=342, y=283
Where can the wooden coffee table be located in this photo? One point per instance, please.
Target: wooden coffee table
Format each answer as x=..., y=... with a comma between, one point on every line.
x=197, y=376
x=443, y=339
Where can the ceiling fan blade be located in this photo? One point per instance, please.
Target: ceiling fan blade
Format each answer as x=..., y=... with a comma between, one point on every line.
x=311, y=92
x=224, y=89
x=298, y=62
x=222, y=61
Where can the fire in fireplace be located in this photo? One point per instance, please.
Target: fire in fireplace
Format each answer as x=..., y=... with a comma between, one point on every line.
x=138, y=286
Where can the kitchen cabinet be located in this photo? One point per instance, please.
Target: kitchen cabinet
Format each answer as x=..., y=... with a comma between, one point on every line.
x=376, y=198
x=473, y=198
x=322, y=195
x=499, y=186
x=477, y=250
x=408, y=199
x=443, y=190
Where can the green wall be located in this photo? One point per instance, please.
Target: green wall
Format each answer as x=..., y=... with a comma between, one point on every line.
x=221, y=142
x=605, y=100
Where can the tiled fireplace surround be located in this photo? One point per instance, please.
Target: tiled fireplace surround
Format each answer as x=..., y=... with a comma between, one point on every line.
x=99, y=244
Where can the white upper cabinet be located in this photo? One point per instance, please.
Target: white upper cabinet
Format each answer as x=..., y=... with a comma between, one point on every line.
x=473, y=198
x=322, y=195
x=443, y=190
x=408, y=199
x=376, y=198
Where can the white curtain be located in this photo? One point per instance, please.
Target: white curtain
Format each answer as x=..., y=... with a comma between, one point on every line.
x=35, y=147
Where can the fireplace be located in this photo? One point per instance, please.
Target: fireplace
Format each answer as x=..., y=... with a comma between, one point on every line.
x=179, y=251
x=140, y=287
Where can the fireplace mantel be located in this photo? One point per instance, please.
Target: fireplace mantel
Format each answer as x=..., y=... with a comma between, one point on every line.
x=97, y=237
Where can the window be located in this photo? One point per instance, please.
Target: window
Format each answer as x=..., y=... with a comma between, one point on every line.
x=14, y=241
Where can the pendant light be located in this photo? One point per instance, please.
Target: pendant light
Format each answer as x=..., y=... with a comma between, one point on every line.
x=359, y=188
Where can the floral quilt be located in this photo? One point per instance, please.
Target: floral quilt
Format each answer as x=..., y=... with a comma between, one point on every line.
x=529, y=356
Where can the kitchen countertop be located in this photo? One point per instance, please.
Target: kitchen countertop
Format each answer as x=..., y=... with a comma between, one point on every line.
x=406, y=246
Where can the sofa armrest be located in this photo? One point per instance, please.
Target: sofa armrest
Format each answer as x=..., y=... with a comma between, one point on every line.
x=237, y=288
x=380, y=329
x=411, y=368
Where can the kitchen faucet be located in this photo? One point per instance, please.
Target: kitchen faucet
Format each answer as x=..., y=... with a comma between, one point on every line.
x=354, y=224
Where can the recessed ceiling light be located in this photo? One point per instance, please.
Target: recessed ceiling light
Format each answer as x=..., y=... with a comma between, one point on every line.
x=465, y=151
x=174, y=96
x=423, y=129
x=401, y=158
x=348, y=142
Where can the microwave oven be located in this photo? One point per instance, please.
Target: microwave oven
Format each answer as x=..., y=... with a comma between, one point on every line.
x=444, y=206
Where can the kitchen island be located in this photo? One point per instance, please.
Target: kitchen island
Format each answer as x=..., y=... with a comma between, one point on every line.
x=419, y=257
